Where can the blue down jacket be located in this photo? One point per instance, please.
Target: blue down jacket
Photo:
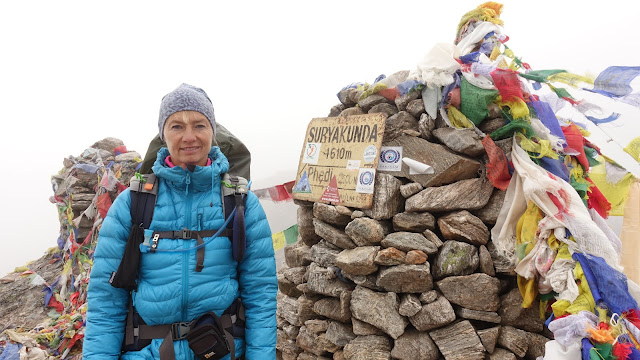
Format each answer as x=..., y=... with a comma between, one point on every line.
x=169, y=288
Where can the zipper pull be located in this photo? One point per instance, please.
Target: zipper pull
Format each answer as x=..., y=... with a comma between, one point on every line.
x=188, y=181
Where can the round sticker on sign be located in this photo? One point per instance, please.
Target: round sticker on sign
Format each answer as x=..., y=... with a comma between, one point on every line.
x=370, y=153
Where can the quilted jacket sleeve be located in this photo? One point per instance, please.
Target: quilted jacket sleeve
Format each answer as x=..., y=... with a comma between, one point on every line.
x=107, y=306
x=258, y=284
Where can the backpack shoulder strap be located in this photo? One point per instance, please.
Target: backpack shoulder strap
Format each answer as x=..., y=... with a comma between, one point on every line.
x=234, y=191
x=144, y=190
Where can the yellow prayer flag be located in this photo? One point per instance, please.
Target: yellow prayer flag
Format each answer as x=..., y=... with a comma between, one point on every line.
x=278, y=240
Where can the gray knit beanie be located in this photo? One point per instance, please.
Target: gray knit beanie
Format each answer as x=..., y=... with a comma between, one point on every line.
x=186, y=97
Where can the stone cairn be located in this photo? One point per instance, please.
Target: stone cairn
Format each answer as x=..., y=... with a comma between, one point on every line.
x=416, y=276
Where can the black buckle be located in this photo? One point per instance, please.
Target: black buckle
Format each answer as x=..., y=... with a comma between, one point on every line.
x=184, y=234
x=180, y=330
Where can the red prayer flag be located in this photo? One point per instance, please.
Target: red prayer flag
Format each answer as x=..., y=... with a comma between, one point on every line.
x=575, y=141
x=508, y=84
x=103, y=204
x=497, y=168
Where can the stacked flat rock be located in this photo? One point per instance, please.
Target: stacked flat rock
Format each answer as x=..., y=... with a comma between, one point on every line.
x=101, y=168
x=414, y=277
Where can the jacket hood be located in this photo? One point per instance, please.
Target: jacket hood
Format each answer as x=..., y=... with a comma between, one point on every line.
x=200, y=178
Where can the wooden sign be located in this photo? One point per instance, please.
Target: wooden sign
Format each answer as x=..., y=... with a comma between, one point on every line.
x=339, y=160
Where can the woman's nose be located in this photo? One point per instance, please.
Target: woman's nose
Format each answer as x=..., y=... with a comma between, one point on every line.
x=189, y=134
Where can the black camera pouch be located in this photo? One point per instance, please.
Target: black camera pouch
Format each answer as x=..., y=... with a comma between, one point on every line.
x=207, y=339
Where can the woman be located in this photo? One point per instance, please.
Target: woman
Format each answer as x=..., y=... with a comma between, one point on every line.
x=175, y=285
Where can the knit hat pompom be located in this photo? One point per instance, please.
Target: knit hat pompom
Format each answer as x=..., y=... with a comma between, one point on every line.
x=184, y=98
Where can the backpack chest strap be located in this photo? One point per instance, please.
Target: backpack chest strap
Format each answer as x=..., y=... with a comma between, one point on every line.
x=186, y=234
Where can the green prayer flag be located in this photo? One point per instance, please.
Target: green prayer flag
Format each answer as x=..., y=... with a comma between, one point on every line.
x=540, y=75
x=507, y=131
x=291, y=234
x=474, y=101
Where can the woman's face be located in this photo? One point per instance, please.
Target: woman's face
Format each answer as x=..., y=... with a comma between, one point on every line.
x=188, y=135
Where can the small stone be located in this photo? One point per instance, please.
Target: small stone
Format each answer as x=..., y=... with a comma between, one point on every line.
x=502, y=263
x=426, y=125
x=288, y=347
x=347, y=96
x=336, y=309
x=297, y=254
x=475, y=291
x=414, y=221
x=357, y=214
x=486, y=264
x=414, y=345
x=387, y=200
x=313, y=342
x=324, y=253
x=305, y=226
x=404, y=100
x=339, y=334
x=465, y=194
x=489, y=338
x=296, y=310
x=343, y=210
x=368, y=281
x=455, y=258
x=296, y=274
x=514, y=340
x=428, y=297
x=108, y=144
x=433, y=238
x=128, y=156
x=369, y=347
x=325, y=281
x=463, y=141
x=486, y=316
x=329, y=214
x=396, y=124
x=416, y=108
x=410, y=189
x=407, y=241
x=463, y=226
x=379, y=310
x=405, y=278
x=352, y=111
x=433, y=315
x=362, y=328
x=489, y=126
x=333, y=235
x=458, y=341
x=336, y=110
x=365, y=231
x=387, y=109
x=390, y=256
x=370, y=101
x=411, y=132
x=291, y=331
x=287, y=287
x=489, y=213
x=358, y=261
x=536, y=346
x=317, y=325
x=513, y=314
x=415, y=257
x=502, y=354
x=409, y=305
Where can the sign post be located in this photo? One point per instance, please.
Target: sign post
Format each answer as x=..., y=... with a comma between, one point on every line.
x=339, y=160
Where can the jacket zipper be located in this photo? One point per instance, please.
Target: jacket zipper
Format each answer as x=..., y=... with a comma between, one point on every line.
x=185, y=254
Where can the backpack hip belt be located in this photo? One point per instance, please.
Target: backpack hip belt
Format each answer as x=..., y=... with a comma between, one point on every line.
x=210, y=337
